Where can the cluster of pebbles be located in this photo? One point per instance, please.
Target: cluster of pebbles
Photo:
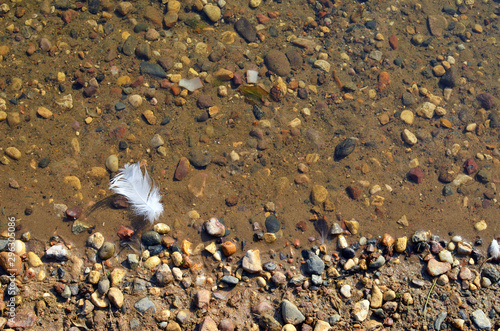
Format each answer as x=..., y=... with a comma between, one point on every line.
x=360, y=280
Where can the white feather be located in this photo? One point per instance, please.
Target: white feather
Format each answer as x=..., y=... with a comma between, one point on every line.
x=494, y=250
x=140, y=191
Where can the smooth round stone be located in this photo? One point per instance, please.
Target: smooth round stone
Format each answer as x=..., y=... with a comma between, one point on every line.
x=152, y=262
x=272, y=224
x=112, y=163
x=230, y=280
x=380, y=261
x=107, y=251
x=19, y=247
x=135, y=100
x=200, y=158
x=44, y=162
x=95, y=240
x=270, y=266
x=151, y=238
x=212, y=12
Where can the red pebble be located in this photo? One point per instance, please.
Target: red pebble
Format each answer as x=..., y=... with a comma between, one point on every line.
x=125, y=233
x=470, y=166
x=416, y=175
x=393, y=41
x=353, y=192
x=262, y=19
x=74, y=212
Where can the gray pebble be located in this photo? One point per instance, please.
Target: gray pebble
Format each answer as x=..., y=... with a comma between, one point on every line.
x=152, y=69
x=145, y=304
x=151, y=238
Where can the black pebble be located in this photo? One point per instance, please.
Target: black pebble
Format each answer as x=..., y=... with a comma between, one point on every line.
x=345, y=148
x=44, y=162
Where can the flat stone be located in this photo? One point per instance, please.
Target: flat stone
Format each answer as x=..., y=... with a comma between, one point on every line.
x=145, y=304
x=344, y=149
x=436, y=268
x=290, y=313
x=481, y=320
x=437, y=24
x=277, y=62
x=152, y=69
x=246, y=30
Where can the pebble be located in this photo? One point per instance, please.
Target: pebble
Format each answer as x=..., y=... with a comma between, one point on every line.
x=95, y=240
x=228, y=248
x=182, y=170
x=107, y=251
x=200, y=158
x=486, y=100
x=319, y=194
x=161, y=228
x=345, y=290
x=291, y=314
x=202, y=299
x=145, y=304
x=112, y=163
x=58, y=252
x=152, y=262
x=251, y=261
x=436, y=268
x=481, y=320
x=135, y=100
x=11, y=263
x=152, y=69
x=151, y=238
x=277, y=62
x=416, y=175
x=246, y=30
x=314, y=265
x=426, y=110
x=323, y=65
x=117, y=276
x=344, y=149
x=99, y=301
x=272, y=224
x=437, y=24
x=13, y=153
x=360, y=310
x=214, y=227
x=115, y=296
x=34, y=260
x=44, y=112
x=212, y=12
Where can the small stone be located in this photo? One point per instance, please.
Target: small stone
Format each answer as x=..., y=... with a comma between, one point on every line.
x=164, y=275
x=314, y=265
x=200, y=158
x=214, y=227
x=13, y=153
x=149, y=116
x=437, y=24
x=212, y=12
x=360, y=310
x=115, y=296
x=251, y=261
x=125, y=7
x=152, y=262
x=486, y=100
x=416, y=175
x=470, y=166
x=182, y=170
x=277, y=62
x=436, y=268
x=319, y=194
x=152, y=69
x=354, y=192
x=95, y=240
x=481, y=225
x=344, y=149
x=426, y=110
x=161, y=228
x=290, y=313
x=107, y=251
x=481, y=320
x=151, y=238
x=323, y=65
x=112, y=163
x=11, y=263
x=407, y=299
x=246, y=30
x=33, y=260
x=145, y=304
x=228, y=248
x=135, y=100
x=44, y=112
x=393, y=41
x=58, y=252
x=400, y=245
x=117, y=276
x=202, y=299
